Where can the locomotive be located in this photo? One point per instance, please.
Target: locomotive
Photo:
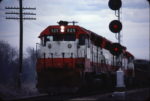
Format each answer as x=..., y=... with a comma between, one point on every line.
x=70, y=56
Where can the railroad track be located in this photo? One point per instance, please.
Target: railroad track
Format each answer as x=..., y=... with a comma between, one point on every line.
x=141, y=94
x=61, y=97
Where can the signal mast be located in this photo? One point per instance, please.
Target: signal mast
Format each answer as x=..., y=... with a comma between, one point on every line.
x=115, y=26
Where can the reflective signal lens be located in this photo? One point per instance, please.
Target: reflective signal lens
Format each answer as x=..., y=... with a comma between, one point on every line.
x=115, y=49
x=115, y=26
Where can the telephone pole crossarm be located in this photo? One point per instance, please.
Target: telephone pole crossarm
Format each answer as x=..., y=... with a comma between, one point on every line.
x=24, y=13
x=24, y=8
x=16, y=18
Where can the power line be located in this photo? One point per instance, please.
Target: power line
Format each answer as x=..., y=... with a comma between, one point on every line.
x=16, y=18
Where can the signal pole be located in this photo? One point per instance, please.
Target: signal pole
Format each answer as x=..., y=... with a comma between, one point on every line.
x=120, y=73
x=119, y=38
x=116, y=26
x=19, y=83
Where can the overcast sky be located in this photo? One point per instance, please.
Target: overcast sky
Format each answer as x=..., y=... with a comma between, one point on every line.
x=93, y=15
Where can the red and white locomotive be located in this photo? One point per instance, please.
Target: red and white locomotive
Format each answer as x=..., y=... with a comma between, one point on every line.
x=69, y=55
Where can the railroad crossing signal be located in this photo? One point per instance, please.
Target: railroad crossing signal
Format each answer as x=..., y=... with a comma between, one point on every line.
x=115, y=4
x=115, y=26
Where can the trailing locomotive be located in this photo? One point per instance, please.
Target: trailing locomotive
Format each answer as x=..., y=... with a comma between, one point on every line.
x=70, y=56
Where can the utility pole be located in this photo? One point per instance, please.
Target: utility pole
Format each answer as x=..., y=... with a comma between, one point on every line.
x=20, y=44
x=21, y=18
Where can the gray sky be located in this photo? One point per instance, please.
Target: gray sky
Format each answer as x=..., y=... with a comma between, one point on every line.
x=94, y=15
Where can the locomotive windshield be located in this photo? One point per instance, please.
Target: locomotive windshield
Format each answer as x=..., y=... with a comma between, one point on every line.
x=71, y=30
x=58, y=37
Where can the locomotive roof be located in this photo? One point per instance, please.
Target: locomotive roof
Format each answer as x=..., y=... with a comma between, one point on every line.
x=80, y=30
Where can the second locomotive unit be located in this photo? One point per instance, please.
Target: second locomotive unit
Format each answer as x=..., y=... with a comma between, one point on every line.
x=70, y=56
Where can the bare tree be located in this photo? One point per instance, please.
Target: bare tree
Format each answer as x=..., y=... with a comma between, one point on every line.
x=9, y=66
x=29, y=73
x=8, y=63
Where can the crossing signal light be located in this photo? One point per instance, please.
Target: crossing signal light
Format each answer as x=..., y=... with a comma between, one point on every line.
x=116, y=49
x=115, y=26
x=114, y=4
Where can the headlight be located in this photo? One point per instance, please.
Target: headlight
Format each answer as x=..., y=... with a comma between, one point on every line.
x=62, y=29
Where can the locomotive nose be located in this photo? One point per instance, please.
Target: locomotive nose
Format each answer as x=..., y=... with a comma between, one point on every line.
x=60, y=54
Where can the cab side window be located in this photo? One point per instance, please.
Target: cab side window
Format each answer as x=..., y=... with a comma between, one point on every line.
x=44, y=40
x=82, y=39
